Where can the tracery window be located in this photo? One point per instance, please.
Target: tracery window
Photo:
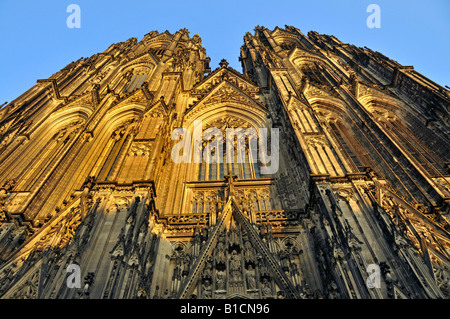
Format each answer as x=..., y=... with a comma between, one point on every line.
x=135, y=82
x=243, y=168
x=242, y=160
x=116, y=145
x=112, y=156
x=431, y=163
x=312, y=72
x=348, y=144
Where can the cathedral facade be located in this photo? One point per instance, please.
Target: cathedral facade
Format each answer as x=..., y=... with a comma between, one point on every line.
x=347, y=195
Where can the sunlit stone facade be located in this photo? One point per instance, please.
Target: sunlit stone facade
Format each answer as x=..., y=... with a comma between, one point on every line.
x=88, y=178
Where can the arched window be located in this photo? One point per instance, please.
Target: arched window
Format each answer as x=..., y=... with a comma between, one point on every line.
x=243, y=169
x=241, y=160
x=135, y=82
x=429, y=161
x=348, y=144
x=394, y=127
x=311, y=71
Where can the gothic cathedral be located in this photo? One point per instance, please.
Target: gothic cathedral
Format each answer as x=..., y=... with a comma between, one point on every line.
x=357, y=207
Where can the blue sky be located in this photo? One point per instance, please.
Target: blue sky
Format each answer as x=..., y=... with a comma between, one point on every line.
x=36, y=41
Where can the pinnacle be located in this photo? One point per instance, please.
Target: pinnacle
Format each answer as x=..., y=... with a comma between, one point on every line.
x=223, y=63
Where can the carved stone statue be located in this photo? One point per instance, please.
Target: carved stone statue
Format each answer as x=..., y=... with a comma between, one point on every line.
x=206, y=290
x=235, y=266
x=251, y=279
x=220, y=257
x=207, y=272
x=249, y=254
x=220, y=281
x=266, y=289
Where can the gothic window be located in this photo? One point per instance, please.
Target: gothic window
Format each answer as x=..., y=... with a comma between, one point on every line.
x=431, y=163
x=287, y=46
x=115, y=147
x=202, y=171
x=311, y=71
x=199, y=206
x=246, y=168
x=243, y=168
x=52, y=150
x=151, y=126
x=348, y=144
x=159, y=52
x=35, y=168
x=260, y=202
x=241, y=159
x=268, y=203
x=135, y=82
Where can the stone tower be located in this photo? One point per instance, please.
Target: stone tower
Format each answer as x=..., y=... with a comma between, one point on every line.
x=97, y=199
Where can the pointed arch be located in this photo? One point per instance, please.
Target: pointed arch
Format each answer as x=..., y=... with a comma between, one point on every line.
x=113, y=137
x=391, y=119
x=341, y=128
x=46, y=142
x=249, y=118
x=134, y=74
